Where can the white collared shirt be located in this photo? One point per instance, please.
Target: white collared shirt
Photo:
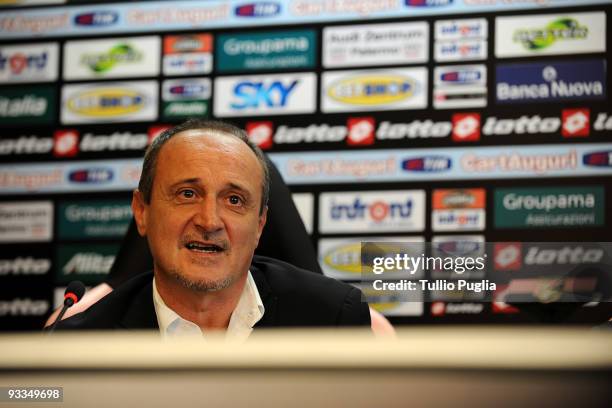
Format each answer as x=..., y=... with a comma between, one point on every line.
x=248, y=311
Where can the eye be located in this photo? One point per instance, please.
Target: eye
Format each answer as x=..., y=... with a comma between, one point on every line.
x=187, y=193
x=235, y=199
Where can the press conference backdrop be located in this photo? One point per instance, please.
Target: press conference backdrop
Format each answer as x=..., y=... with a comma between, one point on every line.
x=429, y=120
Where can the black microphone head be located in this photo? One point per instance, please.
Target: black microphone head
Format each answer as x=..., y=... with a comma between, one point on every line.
x=74, y=291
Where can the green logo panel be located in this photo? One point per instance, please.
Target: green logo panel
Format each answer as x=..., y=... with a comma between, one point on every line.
x=266, y=51
x=25, y=105
x=87, y=219
x=549, y=207
x=185, y=109
x=89, y=263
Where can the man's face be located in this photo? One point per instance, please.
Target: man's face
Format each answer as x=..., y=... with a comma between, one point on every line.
x=203, y=222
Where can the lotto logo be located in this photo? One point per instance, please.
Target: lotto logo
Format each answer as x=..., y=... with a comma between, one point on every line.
x=66, y=143
x=576, y=122
x=508, y=256
x=361, y=131
x=466, y=127
x=261, y=133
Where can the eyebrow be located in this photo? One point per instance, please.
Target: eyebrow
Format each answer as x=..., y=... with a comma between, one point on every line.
x=196, y=180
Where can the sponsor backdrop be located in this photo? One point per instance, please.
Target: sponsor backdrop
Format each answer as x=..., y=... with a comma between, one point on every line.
x=410, y=120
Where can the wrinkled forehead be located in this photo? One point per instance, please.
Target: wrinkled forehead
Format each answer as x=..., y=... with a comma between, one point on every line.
x=197, y=150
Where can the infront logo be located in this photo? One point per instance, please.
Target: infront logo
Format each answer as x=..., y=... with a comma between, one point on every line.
x=377, y=210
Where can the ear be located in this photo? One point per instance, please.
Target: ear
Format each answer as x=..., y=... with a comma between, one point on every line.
x=262, y=222
x=139, y=209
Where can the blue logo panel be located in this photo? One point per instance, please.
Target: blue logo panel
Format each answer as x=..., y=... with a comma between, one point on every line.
x=551, y=82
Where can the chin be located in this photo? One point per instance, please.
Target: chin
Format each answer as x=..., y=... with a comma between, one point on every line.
x=203, y=285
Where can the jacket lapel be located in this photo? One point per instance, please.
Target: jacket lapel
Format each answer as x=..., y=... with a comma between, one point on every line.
x=141, y=312
x=267, y=297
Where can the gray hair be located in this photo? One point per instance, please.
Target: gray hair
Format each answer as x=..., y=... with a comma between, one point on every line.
x=145, y=185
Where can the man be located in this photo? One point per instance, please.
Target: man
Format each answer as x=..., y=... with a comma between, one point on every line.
x=202, y=205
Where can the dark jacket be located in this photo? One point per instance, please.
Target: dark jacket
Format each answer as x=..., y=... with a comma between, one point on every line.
x=291, y=297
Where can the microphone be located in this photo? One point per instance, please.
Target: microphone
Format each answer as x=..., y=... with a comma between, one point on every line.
x=74, y=292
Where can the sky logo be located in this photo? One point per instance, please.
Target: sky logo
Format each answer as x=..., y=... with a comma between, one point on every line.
x=97, y=175
x=262, y=9
x=255, y=94
x=427, y=164
x=96, y=19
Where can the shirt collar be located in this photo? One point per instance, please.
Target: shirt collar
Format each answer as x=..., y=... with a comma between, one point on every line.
x=248, y=311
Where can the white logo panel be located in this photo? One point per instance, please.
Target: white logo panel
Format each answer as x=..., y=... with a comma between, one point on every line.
x=279, y=94
x=375, y=44
x=115, y=58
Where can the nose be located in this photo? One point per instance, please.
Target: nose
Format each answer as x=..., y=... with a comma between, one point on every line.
x=207, y=216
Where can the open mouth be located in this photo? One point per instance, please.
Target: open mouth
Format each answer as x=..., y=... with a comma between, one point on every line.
x=203, y=247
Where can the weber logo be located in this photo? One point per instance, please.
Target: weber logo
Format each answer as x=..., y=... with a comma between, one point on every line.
x=24, y=266
x=23, y=307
